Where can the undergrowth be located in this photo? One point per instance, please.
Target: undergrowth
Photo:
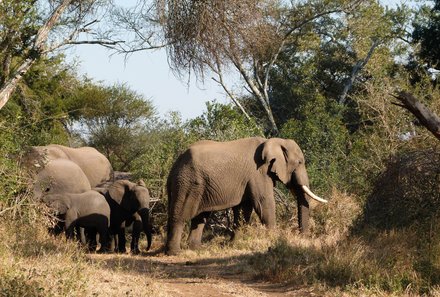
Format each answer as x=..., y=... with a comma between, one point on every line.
x=368, y=252
x=33, y=263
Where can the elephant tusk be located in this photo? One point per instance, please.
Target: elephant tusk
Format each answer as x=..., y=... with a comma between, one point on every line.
x=310, y=193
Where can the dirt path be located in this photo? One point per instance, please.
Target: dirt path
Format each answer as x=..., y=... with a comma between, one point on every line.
x=178, y=276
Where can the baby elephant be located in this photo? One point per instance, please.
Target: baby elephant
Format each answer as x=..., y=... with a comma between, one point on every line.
x=89, y=210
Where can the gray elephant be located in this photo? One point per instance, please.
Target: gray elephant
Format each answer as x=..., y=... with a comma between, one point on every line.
x=95, y=165
x=129, y=202
x=89, y=210
x=60, y=176
x=212, y=176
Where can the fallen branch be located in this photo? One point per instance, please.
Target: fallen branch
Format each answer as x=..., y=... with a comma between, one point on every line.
x=426, y=117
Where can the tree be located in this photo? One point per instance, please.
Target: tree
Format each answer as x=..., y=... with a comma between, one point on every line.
x=222, y=123
x=212, y=37
x=39, y=109
x=427, y=33
x=113, y=120
x=427, y=118
x=32, y=29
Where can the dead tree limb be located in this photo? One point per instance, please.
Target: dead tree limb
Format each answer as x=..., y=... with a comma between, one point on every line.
x=427, y=118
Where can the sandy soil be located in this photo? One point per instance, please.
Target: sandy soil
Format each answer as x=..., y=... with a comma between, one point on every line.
x=155, y=274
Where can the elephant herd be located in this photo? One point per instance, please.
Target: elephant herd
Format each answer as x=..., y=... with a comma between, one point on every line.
x=78, y=185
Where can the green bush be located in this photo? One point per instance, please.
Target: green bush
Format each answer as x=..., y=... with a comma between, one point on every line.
x=323, y=138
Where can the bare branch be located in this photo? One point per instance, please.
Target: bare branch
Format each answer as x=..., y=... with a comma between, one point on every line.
x=427, y=118
x=356, y=69
x=37, y=49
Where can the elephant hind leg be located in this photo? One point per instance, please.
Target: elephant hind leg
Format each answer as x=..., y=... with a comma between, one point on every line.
x=197, y=225
x=90, y=234
x=174, y=236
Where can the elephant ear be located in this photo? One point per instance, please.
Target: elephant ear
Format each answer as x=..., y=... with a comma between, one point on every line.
x=118, y=189
x=274, y=155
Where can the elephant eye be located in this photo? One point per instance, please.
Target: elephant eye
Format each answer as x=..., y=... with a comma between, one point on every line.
x=47, y=190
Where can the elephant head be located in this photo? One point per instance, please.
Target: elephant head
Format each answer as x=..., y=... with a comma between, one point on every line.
x=132, y=198
x=60, y=176
x=56, y=202
x=284, y=161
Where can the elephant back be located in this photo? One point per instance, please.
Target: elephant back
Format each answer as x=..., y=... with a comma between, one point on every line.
x=95, y=165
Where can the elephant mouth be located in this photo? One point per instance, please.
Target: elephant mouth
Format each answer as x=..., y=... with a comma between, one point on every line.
x=312, y=195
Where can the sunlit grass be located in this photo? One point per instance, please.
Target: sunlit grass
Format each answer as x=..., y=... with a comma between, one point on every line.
x=34, y=263
x=339, y=258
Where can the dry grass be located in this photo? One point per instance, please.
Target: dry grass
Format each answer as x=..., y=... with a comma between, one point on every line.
x=346, y=255
x=34, y=263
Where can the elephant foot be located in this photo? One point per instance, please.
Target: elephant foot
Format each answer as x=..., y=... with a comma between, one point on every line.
x=103, y=251
x=120, y=250
x=172, y=252
x=135, y=251
x=91, y=249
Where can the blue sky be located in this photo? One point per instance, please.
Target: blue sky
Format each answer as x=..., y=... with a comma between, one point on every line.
x=148, y=74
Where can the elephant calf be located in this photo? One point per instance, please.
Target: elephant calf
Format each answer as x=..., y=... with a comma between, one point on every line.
x=89, y=210
x=129, y=202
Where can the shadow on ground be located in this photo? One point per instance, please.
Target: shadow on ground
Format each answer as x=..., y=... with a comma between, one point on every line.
x=177, y=269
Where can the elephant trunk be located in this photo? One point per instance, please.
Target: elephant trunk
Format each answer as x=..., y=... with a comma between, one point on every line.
x=145, y=216
x=301, y=179
x=303, y=209
x=299, y=186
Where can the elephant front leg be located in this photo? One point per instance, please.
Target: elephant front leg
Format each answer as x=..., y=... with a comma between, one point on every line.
x=135, y=235
x=242, y=212
x=71, y=217
x=120, y=248
x=265, y=209
x=197, y=225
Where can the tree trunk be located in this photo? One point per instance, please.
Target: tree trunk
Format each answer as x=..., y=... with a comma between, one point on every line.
x=354, y=72
x=11, y=84
x=427, y=118
x=38, y=48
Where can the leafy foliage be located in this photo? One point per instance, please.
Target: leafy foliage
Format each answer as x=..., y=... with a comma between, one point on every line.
x=329, y=75
x=321, y=133
x=112, y=119
x=222, y=122
x=427, y=32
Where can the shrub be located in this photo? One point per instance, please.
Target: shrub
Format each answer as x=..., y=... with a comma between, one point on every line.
x=407, y=192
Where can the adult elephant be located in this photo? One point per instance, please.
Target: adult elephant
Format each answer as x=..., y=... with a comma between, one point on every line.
x=95, y=165
x=89, y=210
x=212, y=176
x=129, y=202
x=60, y=176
